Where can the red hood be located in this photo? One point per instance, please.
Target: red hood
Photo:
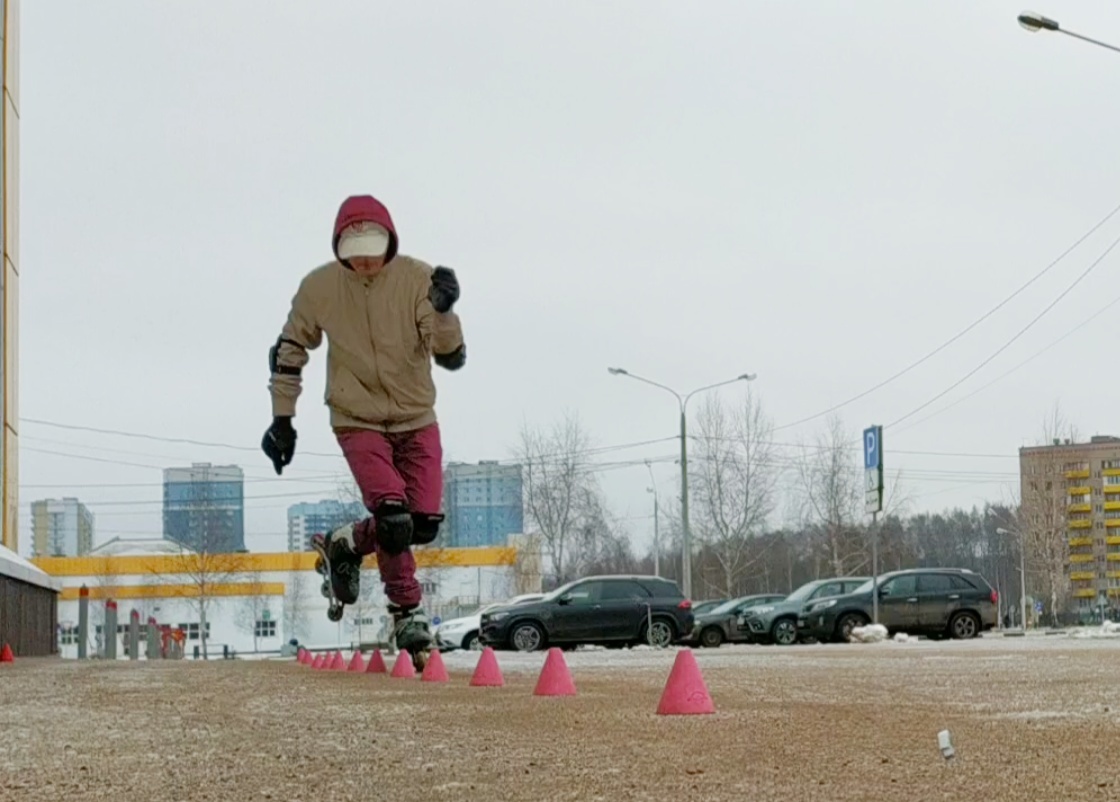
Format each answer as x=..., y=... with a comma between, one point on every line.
x=364, y=209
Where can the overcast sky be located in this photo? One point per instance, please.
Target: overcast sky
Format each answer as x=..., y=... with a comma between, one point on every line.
x=820, y=193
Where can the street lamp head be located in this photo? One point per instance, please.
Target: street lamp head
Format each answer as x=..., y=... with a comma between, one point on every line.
x=1036, y=22
x=748, y=377
x=616, y=371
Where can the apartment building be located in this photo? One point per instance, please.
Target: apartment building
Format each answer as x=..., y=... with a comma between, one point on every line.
x=1073, y=490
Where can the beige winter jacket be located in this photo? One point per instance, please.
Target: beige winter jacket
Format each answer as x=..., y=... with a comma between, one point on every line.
x=382, y=334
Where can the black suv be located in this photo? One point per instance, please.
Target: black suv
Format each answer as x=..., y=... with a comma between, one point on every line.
x=930, y=601
x=603, y=610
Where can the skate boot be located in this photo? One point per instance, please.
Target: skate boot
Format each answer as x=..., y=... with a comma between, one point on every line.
x=340, y=567
x=411, y=633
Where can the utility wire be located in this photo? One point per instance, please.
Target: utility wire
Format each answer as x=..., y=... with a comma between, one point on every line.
x=1092, y=266
x=959, y=334
x=1025, y=362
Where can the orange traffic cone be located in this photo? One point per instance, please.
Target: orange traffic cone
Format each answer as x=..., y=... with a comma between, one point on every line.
x=487, y=673
x=6, y=655
x=376, y=663
x=555, y=679
x=403, y=668
x=685, y=693
x=435, y=670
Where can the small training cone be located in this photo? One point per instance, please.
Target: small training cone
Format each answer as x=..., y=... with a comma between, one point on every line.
x=307, y=658
x=376, y=663
x=337, y=663
x=555, y=679
x=320, y=658
x=487, y=674
x=301, y=655
x=435, y=670
x=6, y=655
x=685, y=693
x=356, y=663
x=403, y=668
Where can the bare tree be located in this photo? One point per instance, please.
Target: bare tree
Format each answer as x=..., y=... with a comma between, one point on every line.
x=833, y=495
x=296, y=603
x=202, y=572
x=252, y=606
x=1044, y=510
x=560, y=489
x=735, y=485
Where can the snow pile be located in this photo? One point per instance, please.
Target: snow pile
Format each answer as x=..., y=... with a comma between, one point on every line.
x=902, y=637
x=872, y=633
x=1109, y=629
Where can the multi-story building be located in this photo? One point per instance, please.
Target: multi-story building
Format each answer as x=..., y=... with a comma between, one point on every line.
x=483, y=504
x=308, y=518
x=204, y=507
x=61, y=527
x=1072, y=491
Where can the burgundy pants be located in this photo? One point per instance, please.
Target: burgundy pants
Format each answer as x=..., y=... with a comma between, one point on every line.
x=402, y=466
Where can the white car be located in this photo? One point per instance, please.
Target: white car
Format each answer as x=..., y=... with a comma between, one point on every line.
x=462, y=633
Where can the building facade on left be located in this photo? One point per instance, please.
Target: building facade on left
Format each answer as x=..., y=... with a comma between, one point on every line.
x=28, y=597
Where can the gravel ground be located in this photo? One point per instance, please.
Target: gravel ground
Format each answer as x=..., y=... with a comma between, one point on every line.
x=1031, y=718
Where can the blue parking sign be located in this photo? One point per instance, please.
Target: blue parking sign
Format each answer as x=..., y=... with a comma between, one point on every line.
x=873, y=447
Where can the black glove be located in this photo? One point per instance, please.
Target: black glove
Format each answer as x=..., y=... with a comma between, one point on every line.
x=445, y=289
x=279, y=443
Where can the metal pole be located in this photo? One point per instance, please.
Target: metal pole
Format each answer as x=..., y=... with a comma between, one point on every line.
x=874, y=568
x=110, y=630
x=656, y=540
x=134, y=635
x=1023, y=580
x=83, y=622
x=686, y=549
x=153, y=639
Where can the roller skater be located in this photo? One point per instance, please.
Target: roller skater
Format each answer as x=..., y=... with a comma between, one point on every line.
x=387, y=317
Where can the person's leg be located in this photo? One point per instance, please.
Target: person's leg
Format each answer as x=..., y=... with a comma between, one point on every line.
x=417, y=457
x=389, y=529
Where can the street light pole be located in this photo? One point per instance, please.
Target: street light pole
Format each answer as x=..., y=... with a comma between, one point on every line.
x=656, y=530
x=682, y=401
x=1036, y=22
x=1022, y=574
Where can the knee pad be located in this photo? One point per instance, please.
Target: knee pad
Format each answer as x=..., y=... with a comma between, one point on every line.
x=394, y=527
x=425, y=528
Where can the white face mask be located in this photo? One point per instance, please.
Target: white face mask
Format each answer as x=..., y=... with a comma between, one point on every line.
x=373, y=243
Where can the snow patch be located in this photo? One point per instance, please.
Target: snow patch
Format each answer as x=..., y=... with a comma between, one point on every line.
x=872, y=633
x=1109, y=629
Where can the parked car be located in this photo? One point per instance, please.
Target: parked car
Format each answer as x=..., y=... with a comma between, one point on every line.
x=602, y=610
x=701, y=607
x=722, y=623
x=932, y=601
x=462, y=632
x=777, y=622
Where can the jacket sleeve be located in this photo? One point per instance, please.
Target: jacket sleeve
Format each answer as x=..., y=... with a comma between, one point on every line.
x=301, y=333
x=442, y=332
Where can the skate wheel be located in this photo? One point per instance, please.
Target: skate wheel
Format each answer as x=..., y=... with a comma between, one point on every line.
x=420, y=659
x=335, y=613
x=325, y=589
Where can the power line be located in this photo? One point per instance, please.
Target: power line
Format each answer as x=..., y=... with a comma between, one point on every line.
x=1092, y=266
x=959, y=334
x=212, y=444
x=1026, y=361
